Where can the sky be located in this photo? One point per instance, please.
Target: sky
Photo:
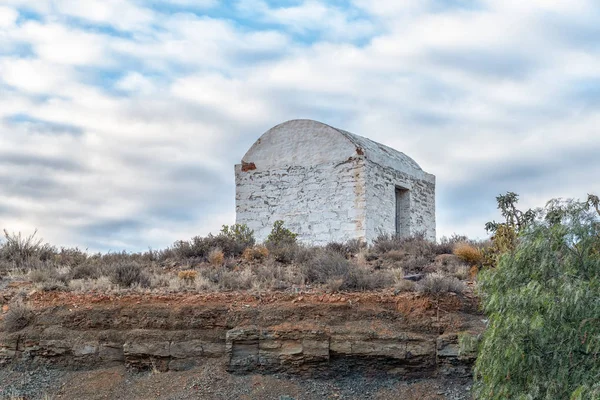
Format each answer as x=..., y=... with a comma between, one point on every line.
x=121, y=120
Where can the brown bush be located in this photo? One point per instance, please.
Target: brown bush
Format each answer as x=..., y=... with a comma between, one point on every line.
x=395, y=255
x=468, y=253
x=473, y=272
x=446, y=244
x=255, y=253
x=216, y=257
x=188, y=275
x=347, y=249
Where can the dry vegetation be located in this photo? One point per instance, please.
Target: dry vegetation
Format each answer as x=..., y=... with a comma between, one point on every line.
x=232, y=260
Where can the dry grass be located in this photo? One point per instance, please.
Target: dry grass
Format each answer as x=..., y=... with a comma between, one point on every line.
x=395, y=255
x=101, y=284
x=461, y=272
x=216, y=257
x=188, y=275
x=473, y=272
x=404, y=286
x=468, y=253
x=256, y=253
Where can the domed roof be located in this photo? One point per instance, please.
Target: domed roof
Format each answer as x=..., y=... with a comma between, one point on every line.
x=308, y=142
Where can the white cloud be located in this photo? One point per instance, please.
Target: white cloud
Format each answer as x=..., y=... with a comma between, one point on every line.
x=121, y=14
x=8, y=17
x=33, y=75
x=62, y=45
x=136, y=82
x=310, y=16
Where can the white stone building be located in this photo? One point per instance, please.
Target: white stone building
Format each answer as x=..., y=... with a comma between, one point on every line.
x=328, y=185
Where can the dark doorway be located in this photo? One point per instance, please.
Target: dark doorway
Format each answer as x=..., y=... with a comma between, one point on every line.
x=402, y=212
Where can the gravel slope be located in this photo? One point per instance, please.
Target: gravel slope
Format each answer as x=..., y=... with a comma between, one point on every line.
x=212, y=382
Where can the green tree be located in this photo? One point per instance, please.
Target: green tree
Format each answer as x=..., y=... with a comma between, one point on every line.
x=543, y=305
x=505, y=233
x=280, y=235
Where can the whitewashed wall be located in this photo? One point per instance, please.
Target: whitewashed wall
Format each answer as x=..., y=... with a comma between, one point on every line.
x=381, y=201
x=321, y=203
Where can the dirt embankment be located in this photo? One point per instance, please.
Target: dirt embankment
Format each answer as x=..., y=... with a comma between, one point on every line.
x=407, y=335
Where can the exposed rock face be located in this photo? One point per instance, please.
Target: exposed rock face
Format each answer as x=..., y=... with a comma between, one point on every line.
x=284, y=336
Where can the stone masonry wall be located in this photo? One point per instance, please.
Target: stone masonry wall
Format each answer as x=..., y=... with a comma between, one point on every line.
x=381, y=201
x=322, y=203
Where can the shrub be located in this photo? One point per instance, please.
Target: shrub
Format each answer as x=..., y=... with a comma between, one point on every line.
x=303, y=254
x=473, y=272
x=386, y=243
x=401, y=284
x=404, y=286
x=334, y=284
x=18, y=317
x=415, y=264
x=52, y=284
x=235, y=280
x=86, y=271
x=326, y=265
x=236, y=239
x=461, y=272
x=274, y=277
x=216, y=257
x=280, y=235
x=255, y=253
x=347, y=249
x=416, y=245
x=543, y=336
x=49, y=274
x=359, y=278
x=395, y=255
x=397, y=274
x=183, y=249
x=436, y=283
x=468, y=253
x=446, y=260
x=70, y=256
x=232, y=240
x=284, y=252
x=129, y=274
x=505, y=233
x=188, y=275
x=446, y=244
x=20, y=250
